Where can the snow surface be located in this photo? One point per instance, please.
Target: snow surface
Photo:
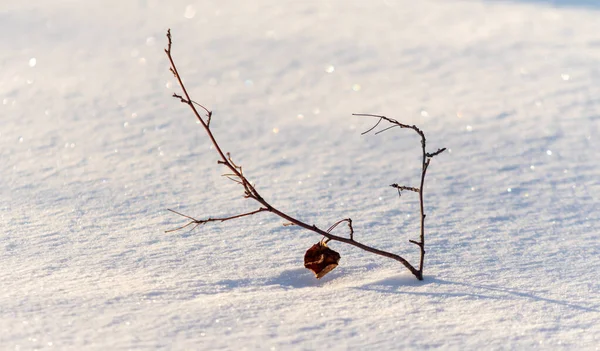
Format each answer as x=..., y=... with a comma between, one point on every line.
x=93, y=150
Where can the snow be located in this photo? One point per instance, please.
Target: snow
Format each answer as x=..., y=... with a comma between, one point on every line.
x=93, y=150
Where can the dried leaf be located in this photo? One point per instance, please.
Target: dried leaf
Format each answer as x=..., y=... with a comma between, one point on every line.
x=321, y=259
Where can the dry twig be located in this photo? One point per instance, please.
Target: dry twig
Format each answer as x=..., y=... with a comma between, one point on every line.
x=424, y=165
x=235, y=174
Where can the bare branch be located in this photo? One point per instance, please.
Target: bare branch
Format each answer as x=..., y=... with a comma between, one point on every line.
x=386, y=129
x=251, y=192
x=177, y=96
x=375, y=126
x=173, y=70
x=229, y=176
x=426, y=159
x=208, y=113
x=170, y=42
x=181, y=214
x=416, y=243
x=198, y=222
x=402, y=187
x=436, y=153
x=349, y=221
x=233, y=163
x=393, y=121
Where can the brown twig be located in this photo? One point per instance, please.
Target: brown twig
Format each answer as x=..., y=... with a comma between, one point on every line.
x=198, y=222
x=424, y=165
x=251, y=192
x=403, y=187
x=349, y=220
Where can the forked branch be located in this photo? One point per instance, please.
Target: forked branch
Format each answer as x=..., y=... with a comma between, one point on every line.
x=235, y=174
x=424, y=165
x=197, y=222
x=349, y=220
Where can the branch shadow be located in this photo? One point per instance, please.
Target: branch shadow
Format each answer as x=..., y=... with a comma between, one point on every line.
x=288, y=279
x=394, y=284
x=296, y=278
x=301, y=278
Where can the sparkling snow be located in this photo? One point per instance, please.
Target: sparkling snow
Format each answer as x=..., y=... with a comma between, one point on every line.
x=93, y=150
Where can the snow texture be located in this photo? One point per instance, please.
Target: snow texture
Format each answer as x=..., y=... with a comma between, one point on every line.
x=93, y=150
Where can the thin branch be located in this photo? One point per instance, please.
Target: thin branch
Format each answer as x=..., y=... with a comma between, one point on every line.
x=422, y=208
x=416, y=243
x=233, y=163
x=426, y=159
x=208, y=113
x=402, y=187
x=232, y=179
x=183, y=226
x=251, y=192
x=177, y=96
x=386, y=129
x=198, y=222
x=375, y=126
x=393, y=121
x=436, y=153
x=181, y=214
x=349, y=220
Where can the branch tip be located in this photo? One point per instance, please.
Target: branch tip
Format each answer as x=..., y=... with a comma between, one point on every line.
x=416, y=243
x=168, y=49
x=439, y=151
x=403, y=187
x=210, y=219
x=373, y=127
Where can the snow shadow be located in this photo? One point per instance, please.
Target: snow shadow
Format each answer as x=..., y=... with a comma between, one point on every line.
x=289, y=279
x=301, y=278
x=521, y=294
x=398, y=281
x=394, y=285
